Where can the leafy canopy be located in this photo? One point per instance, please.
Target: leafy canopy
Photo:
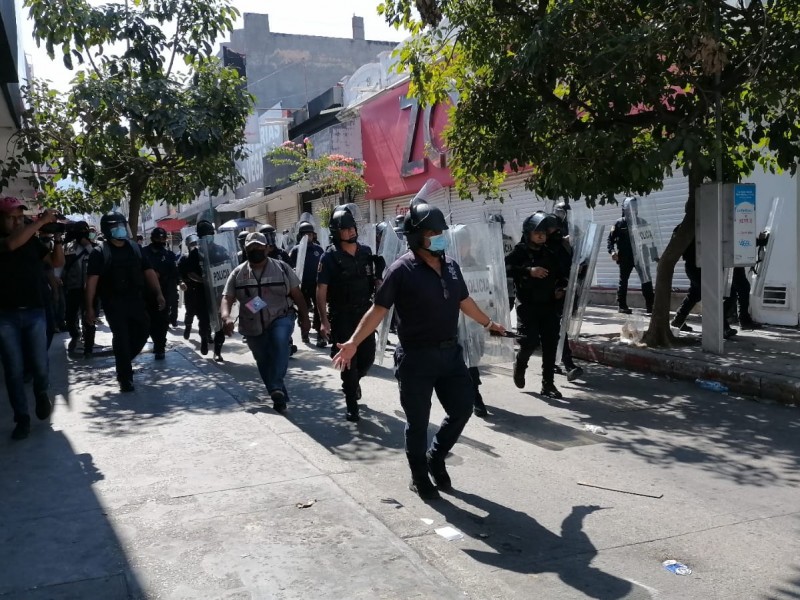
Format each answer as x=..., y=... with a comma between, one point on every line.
x=134, y=124
x=600, y=97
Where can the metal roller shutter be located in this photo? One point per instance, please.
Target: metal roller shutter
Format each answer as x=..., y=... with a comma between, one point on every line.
x=285, y=219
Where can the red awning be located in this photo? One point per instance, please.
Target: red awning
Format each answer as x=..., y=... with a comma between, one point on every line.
x=171, y=225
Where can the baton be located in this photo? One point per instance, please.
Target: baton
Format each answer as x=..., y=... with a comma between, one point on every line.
x=508, y=334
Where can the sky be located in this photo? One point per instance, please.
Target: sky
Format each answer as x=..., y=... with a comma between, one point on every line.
x=308, y=17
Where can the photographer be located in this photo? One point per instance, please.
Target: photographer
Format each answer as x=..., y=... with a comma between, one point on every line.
x=23, y=336
x=80, y=245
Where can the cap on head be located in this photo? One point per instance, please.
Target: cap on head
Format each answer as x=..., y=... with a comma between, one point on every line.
x=9, y=204
x=255, y=239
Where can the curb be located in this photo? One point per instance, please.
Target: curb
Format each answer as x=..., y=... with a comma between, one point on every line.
x=785, y=390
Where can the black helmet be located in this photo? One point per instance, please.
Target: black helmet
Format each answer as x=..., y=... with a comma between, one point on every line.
x=538, y=221
x=342, y=218
x=422, y=216
x=496, y=218
x=158, y=232
x=110, y=221
x=399, y=221
x=265, y=229
x=242, y=236
x=630, y=203
x=305, y=227
x=204, y=228
x=380, y=228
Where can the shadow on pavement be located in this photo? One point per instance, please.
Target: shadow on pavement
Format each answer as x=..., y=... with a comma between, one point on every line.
x=516, y=542
x=56, y=541
x=666, y=422
x=787, y=590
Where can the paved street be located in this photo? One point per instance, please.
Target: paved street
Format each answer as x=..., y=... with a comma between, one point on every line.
x=189, y=489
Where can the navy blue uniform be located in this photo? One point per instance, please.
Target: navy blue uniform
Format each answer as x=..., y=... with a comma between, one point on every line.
x=619, y=241
x=309, y=283
x=164, y=263
x=428, y=357
x=121, y=287
x=351, y=284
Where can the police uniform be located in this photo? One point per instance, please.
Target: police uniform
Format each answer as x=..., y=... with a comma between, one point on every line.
x=190, y=294
x=428, y=356
x=537, y=308
x=203, y=304
x=309, y=283
x=164, y=264
x=121, y=287
x=351, y=283
x=619, y=241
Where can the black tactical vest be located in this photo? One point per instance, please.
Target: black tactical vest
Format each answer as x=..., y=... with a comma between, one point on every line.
x=350, y=290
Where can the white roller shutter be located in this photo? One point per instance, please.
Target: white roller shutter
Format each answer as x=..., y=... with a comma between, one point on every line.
x=285, y=219
x=399, y=205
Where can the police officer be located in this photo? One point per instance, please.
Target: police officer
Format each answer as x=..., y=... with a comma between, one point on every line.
x=190, y=288
x=539, y=279
x=620, y=248
x=118, y=272
x=267, y=291
x=427, y=290
x=74, y=278
x=399, y=225
x=194, y=269
x=241, y=255
x=309, y=283
x=273, y=249
x=345, y=284
x=164, y=264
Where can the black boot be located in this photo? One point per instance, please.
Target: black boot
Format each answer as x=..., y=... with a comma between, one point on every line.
x=478, y=407
x=550, y=390
x=520, y=365
x=421, y=485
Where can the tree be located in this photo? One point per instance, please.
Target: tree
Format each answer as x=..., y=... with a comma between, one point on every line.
x=133, y=125
x=605, y=97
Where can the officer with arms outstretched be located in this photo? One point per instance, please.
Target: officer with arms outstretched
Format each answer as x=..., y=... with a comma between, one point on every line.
x=427, y=291
x=345, y=284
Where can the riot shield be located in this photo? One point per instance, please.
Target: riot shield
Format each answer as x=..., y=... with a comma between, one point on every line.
x=300, y=264
x=366, y=236
x=478, y=250
x=645, y=236
x=579, y=218
x=766, y=243
x=218, y=257
x=590, y=248
x=391, y=248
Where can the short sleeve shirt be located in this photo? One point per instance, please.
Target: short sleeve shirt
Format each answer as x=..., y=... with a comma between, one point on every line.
x=426, y=304
x=22, y=272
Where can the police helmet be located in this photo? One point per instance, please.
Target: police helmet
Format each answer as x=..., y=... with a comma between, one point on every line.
x=110, y=221
x=497, y=218
x=399, y=220
x=265, y=229
x=305, y=227
x=631, y=203
x=342, y=218
x=380, y=228
x=538, y=221
x=560, y=210
x=422, y=216
x=191, y=239
x=204, y=228
x=158, y=234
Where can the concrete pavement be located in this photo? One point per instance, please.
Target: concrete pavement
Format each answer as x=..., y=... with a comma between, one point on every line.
x=188, y=489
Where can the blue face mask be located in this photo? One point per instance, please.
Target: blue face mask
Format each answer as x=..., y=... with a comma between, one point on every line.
x=438, y=243
x=120, y=232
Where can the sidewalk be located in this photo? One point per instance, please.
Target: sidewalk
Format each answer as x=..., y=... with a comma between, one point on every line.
x=182, y=489
x=764, y=363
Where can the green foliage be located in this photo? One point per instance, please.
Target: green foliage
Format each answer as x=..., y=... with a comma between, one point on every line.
x=328, y=173
x=131, y=125
x=600, y=97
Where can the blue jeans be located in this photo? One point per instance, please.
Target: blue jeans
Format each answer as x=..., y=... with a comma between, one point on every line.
x=271, y=351
x=23, y=344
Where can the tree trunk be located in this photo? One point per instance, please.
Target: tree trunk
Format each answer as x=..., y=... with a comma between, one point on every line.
x=136, y=189
x=658, y=333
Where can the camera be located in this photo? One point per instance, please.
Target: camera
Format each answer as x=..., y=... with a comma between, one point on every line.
x=53, y=228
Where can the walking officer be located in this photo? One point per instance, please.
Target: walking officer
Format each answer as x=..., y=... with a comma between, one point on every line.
x=241, y=255
x=164, y=264
x=273, y=250
x=309, y=281
x=345, y=284
x=118, y=272
x=540, y=280
x=190, y=288
x=428, y=291
x=620, y=247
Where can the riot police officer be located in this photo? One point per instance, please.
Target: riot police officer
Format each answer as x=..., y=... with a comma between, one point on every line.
x=190, y=288
x=345, y=284
x=539, y=279
x=241, y=255
x=119, y=273
x=273, y=250
x=620, y=247
x=427, y=290
x=163, y=262
x=74, y=278
x=309, y=280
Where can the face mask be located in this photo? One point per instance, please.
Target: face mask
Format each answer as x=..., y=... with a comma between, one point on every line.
x=119, y=232
x=256, y=256
x=438, y=243
x=352, y=240
x=92, y=236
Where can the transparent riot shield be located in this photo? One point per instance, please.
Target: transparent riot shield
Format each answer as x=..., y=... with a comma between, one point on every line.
x=593, y=241
x=302, y=250
x=391, y=248
x=367, y=237
x=579, y=218
x=478, y=250
x=218, y=259
x=645, y=236
x=766, y=242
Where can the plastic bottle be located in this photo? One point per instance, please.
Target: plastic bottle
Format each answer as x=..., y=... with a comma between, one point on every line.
x=712, y=386
x=595, y=429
